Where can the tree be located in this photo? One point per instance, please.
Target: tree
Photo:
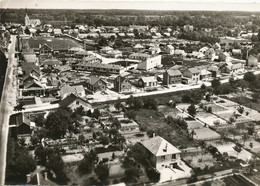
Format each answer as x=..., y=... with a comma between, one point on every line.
x=245, y=137
x=233, y=132
x=203, y=87
x=89, y=113
x=243, y=84
x=192, y=110
x=104, y=140
x=88, y=163
x=118, y=105
x=59, y=122
x=102, y=41
x=19, y=107
x=130, y=114
x=96, y=113
x=27, y=31
x=209, y=109
x=215, y=83
x=39, y=120
x=240, y=109
x=249, y=77
x=150, y=103
x=255, y=96
x=102, y=171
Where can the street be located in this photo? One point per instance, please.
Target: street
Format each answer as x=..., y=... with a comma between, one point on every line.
x=8, y=101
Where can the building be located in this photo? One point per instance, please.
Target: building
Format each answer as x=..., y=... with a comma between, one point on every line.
x=74, y=50
x=31, y=22
x=172, y=76
x=122, y=84
x=114, y=53
x=214, y=71
x=148, y=83
x=224, y=56
x=188, y=28
x=96, y=84
x=205, y=74
x=161, y=152
x=21, y=123
x=232, y=69
x=148, y=62
x=106, y=49
x=252, y=61
x=98, y=67
x=77, y=90
x=57, y=32
x=190, y=75
x=73, y=101
x=45, y=50
x=169, y=49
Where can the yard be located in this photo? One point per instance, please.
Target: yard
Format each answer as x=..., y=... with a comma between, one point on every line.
x=151, y=120
x=56, y=43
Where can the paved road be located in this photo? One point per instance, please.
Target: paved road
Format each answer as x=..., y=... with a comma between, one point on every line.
x=7, y=103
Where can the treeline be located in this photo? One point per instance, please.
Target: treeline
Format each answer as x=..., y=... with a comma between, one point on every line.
x=203, y=19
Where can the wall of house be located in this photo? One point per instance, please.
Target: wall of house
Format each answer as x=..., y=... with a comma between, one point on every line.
x=99, y=86
x=162, y=161
x=77, y=103
x=150, y=63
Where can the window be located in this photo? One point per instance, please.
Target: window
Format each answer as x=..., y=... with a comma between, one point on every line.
x=174, y=156
x=163, y=157
x=77, y=102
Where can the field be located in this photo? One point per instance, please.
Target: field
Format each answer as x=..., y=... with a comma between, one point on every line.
x=56, y=43
x=154, y=121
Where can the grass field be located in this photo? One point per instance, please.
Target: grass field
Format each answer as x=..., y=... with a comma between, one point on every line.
x=56, y=43
x=155, y=121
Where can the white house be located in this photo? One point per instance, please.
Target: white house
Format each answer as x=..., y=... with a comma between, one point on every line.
x=77, y=90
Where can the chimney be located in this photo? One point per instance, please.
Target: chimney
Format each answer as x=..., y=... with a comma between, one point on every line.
x=28, y=178
x=45, y=175
x=165, y=149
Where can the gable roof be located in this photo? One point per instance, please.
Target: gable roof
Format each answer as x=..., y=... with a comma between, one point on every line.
x=194, y=70
x=158, y=146
x=148, y=79
x=174, y=72
x=94, y=79
x=29, y=67
x=70, y=89
x=19, y=118
x=70, y=99
x=45, y=45
x=29, y=82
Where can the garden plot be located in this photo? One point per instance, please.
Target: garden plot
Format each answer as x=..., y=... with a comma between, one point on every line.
x=228, y=148
x=169, y=111
x=205, y=134
x=200, y=160
x=194, y=125
x=210, y=118
x=255, y=146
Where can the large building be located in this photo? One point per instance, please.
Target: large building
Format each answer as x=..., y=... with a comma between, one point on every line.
x=31, y=22
x=148, y=62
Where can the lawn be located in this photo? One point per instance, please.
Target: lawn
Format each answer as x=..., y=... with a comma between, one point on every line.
x=56, y=43
x=154, y=121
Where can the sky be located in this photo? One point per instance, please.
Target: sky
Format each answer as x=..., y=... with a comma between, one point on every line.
x=214, y=5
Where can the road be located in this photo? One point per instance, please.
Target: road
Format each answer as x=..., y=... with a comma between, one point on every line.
x=8, y=101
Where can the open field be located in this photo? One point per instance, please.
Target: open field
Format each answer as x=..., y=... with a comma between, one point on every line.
x=56, y=43
x=154, y=121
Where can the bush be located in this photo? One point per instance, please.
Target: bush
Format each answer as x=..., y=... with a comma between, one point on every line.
x=153, y=174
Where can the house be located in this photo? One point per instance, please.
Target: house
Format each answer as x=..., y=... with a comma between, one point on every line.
x=74, y=50
x=45, y=50
x=169, y=49
x=81, y=54
x=77, y=90
x=30, y=69
x=232, y=69
x=96, y=84
x=210, y=53
x=73, y=101
x=138, y=47
x=224, y=56
x=154, y=50
x=148, y=83
x=153, y=29
x=114, y=53
x=122, y=84
x=22, y=124
x=188, y=28
x=30, y=57
x=190, y=75
x=50, y=62
x=57, y=32
x=179, y=52
x=252, y=61
x=214, y=71
x=172, y=76
x=205, y=74
x=106, y=49
x=236, y=51
x=91, y=59
x=161, y=153
x=98, y=67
